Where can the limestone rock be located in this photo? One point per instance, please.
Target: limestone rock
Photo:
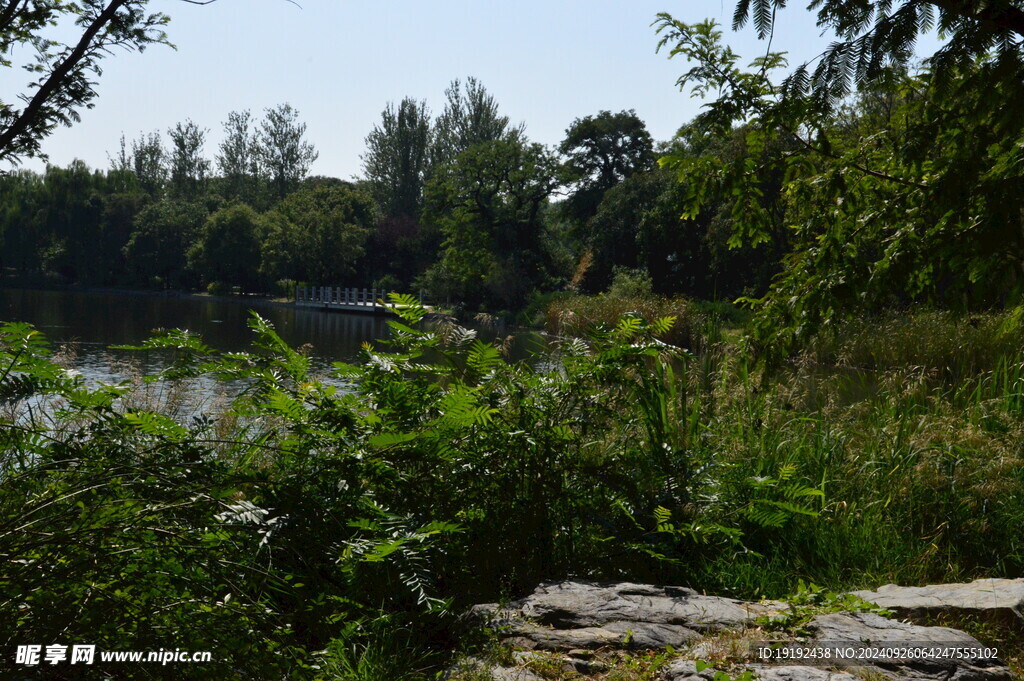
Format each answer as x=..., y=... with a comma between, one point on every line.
x=998, y=598
x=576, y=605
x=686, y=670
x=636, y=635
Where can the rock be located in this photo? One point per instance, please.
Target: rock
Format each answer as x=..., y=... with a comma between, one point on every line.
x=868, y=630
x=1001, y=599
x=686, y=670
x=636, y=635
x=576, y=605
x=471, y=667
x=586, y=616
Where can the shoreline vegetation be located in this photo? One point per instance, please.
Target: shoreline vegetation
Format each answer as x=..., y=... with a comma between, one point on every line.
x=357, y=524
x=858, y=422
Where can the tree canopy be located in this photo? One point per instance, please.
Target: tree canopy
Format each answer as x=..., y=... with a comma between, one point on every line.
x=898, y=186
x=64, y=69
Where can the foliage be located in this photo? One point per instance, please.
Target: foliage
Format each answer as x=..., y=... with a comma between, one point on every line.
x=188, y=168
x=397, y=156
x=282, y=150
x=489, y=206
x=573, y=315
x=630, y=283
x=238, y=161
x=317, y=233
x=68, y=41
x=600, y=152
x=470, y=117
x=149, y=162
x=809, y=601
x=227, y=248
x=897, y=195
x=164, y=232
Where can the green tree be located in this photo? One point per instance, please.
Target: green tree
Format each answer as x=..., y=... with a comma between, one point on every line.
x=318, y=234
x=281, y=149
x=396, y=158
x=904, y=192
x=600, y=152
x=149, y=161
x=164, y=231
x=188, y=168
x=227, y=248
x=489, y=205
x=470, y=116
x=238, y=161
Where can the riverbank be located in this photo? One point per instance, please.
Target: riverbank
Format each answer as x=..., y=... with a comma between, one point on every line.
x=250, y=299
x=350, y=523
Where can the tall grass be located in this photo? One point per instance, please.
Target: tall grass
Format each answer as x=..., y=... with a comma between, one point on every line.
x=453, y=476
x=574, y=315
x=921, y=459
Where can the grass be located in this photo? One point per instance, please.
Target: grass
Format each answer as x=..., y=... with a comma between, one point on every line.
x=573, y=315
x=892, y=450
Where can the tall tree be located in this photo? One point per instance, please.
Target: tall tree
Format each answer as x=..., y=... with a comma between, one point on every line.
x=237, y=158
x=150, y=162
x=489, y=206
x=600, y=152
x=470, y=116
x=67, y=41
x=282, y=149
x=188, y=167
x=396, y=158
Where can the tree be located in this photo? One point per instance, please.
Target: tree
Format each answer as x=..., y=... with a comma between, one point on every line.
x=489, y=205
x=64, y=71
x=188, y=168
x=149, y=161
x=876, y=36
x=396, y=158
x=227, y=248
x=238, y=160
x=907, y=190
x=164, y=231
x=281, y=149
x=318, y=233
x=600, y=152
x=470, y=116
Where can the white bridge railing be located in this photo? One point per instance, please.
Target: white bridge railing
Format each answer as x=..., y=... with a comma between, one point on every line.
x=341, y=298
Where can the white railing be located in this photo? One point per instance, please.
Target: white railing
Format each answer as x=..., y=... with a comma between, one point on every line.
x=343, y=298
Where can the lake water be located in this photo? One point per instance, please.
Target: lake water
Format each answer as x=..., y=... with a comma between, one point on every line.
x=89, y=323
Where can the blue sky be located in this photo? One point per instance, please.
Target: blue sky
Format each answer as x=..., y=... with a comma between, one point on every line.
x=340, y=61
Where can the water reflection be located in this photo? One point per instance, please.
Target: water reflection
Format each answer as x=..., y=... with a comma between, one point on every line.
x=89, y=323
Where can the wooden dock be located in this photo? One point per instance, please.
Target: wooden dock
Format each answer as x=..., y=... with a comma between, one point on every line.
x=366, y=301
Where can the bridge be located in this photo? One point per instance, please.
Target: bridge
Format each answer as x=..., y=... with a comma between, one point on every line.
x=342, y=299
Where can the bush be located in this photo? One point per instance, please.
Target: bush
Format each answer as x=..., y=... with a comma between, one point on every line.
x=630, y=283
x=286, y=288
x=218, y=288
x=572, y=315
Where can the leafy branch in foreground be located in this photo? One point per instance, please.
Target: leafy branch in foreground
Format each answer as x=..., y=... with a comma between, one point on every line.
x=899, y=191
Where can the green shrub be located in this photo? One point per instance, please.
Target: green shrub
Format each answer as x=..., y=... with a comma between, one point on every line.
x=218, y=288
x=285, y=288
x=573, y=315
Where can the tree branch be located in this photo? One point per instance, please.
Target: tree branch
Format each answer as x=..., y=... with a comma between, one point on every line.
x=1005, y=16
x=58, y=76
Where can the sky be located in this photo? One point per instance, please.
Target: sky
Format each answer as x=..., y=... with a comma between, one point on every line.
x=339, y=62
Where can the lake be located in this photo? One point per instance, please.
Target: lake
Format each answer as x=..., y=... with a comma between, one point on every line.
x=89, y=323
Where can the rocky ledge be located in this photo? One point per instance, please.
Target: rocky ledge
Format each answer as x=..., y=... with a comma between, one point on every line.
x=582, y=630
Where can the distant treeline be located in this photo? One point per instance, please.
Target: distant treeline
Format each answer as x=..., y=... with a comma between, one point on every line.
x=461, y=205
